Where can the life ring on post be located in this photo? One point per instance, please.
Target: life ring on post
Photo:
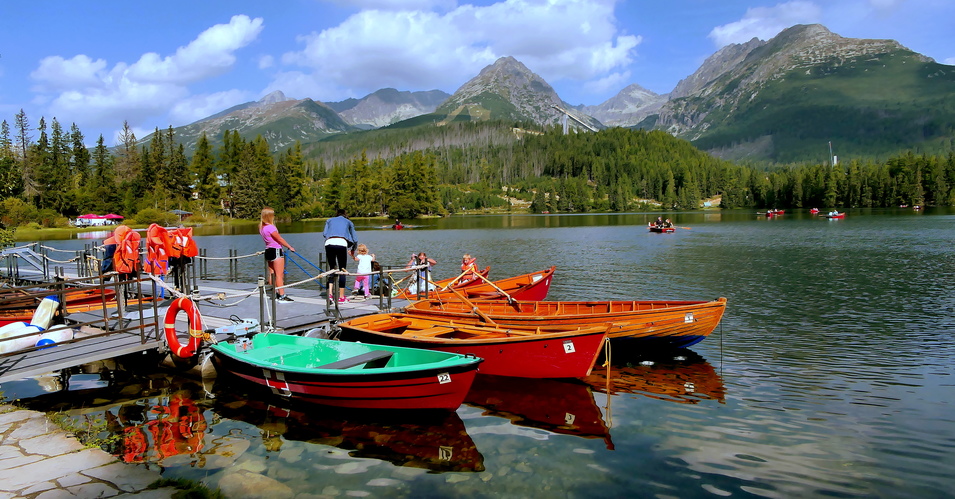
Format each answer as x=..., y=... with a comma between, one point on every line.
x=195, y=327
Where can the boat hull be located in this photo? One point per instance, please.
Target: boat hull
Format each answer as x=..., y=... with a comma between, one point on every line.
x=440, y=387
x=662, y=230
x=657, y=324
x=567, y=354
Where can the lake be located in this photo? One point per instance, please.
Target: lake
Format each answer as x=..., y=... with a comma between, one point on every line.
x=830, y=375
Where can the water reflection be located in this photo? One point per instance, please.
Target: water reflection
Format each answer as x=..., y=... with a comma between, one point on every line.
x=559, y=406
x=436, y=441
x=681, y=376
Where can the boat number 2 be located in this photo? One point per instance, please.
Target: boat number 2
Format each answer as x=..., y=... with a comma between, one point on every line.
x=444, y=378
x=569, y=346
x=688, y=318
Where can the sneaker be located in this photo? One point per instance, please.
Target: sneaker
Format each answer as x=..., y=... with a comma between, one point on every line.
x=284, y=299
x=343, y=299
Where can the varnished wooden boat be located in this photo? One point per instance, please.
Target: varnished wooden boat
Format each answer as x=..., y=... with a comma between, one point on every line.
x=350, y=375
x=408, y=293
x=10, y=300
x=652, y=323
x=104, y=301
x=545, y=352
x=529, y=287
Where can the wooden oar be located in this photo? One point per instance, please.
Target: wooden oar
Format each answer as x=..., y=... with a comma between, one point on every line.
x=678, y=227
x=474, y=308
x=453, y=281
x=509, y=298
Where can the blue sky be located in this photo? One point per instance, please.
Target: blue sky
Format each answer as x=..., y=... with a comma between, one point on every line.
x=99, y=63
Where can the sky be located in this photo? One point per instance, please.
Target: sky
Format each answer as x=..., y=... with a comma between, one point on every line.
x=100, y=64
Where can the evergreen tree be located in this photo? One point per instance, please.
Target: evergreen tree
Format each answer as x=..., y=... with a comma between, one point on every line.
x=203, y=173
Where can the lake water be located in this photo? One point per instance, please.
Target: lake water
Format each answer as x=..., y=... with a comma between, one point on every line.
x=830, y=375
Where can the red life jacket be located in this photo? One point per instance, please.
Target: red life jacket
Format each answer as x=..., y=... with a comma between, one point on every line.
x=126, y=258
x=183, y=245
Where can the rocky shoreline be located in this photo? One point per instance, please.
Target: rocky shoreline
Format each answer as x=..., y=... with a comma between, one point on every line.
x=40, y=460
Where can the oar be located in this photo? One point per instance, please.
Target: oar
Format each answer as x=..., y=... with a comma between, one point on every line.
x=509, y=298
x=474, y=308
x=678, y=227
x=454, y=281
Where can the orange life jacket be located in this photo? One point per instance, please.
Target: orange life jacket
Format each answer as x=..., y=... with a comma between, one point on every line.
x=183, y=245
x=126, y=258
x=158, y=247
x=470, y=267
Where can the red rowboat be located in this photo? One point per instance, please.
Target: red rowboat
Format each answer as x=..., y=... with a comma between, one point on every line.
x=528, y=287
x=661, y=230
x=454, y=282
x=546, y=352
x=837, y=216
x=649, y=323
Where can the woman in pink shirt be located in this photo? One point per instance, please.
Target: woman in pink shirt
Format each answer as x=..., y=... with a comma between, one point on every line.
x=273, y=251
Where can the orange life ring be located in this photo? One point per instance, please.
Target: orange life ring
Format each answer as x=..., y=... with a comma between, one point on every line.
x=195, y=327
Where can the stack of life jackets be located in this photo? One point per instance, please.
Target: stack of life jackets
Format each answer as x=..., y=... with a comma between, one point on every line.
x=158, y=248
x=126, y=256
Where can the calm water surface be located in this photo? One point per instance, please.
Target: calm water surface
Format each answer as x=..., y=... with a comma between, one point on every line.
x=831, y=374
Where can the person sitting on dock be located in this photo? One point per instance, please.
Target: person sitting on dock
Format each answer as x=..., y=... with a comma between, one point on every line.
x=420, y=283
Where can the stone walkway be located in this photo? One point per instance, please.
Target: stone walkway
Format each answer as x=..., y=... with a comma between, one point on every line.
x=39, y=460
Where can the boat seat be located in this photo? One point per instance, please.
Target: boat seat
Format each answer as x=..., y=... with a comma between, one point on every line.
x=382, y=356
x=431, y=331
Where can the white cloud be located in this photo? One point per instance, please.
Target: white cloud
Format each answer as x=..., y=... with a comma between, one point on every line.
x=83, y=88
x=766, y=22
x=423, y=49
x=610, y=83
x=210, y=54
x=950, y=61
x=266, y=61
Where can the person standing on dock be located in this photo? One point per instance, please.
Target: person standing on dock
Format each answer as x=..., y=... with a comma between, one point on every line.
x=274, y=255
x=340, y=237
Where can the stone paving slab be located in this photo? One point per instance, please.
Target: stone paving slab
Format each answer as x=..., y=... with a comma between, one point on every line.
x=40, y=460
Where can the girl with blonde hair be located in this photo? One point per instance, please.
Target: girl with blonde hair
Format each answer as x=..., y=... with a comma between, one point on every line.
x=274, y=255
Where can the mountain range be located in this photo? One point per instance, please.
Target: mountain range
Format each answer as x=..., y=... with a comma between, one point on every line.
x=780, y=100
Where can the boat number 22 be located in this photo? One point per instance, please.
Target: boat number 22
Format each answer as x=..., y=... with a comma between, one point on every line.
x=444, y=378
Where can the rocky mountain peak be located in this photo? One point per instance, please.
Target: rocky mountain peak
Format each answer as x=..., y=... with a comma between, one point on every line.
x=273, y=98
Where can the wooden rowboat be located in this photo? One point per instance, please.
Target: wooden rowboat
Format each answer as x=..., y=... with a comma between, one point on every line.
x=352, y=375
x=529, y=287
x=546, y=352
x=651, y=323
x=408, y=293
x=662, y=230
x=15, y=301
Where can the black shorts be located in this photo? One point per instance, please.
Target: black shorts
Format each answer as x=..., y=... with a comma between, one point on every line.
x=272, y=254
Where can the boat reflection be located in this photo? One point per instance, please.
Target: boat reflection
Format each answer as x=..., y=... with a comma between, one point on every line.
x=681, y=376
x=566, y=407
x=433, y=440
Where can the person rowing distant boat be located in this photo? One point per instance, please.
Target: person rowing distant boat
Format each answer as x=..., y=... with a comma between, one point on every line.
x=397, y=225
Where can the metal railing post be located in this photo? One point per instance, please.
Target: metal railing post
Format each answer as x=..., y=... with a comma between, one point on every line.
x=261, y=284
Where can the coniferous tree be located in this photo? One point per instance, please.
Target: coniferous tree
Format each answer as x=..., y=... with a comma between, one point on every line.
x=203, y=173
